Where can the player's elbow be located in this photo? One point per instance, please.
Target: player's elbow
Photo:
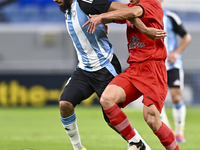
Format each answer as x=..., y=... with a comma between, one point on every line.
x=133, y=15
x=135, y=11
x=189, y=38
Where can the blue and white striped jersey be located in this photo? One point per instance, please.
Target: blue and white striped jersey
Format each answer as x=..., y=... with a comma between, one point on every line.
x=173, y=27
x=94, y=51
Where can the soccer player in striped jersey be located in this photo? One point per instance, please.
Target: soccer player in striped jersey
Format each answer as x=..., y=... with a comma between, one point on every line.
x=97, y=65
x=174, y=27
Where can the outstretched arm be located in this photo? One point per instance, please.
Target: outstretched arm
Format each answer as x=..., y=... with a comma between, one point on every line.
x=123, y=12
x=150, y=32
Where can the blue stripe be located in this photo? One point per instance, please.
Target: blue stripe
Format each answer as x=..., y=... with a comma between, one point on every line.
x=78, y=45
x=98, y=36
x=96, y=40
x=105, y=44
x=68, y=120
x=112, y=70
x=179, y=105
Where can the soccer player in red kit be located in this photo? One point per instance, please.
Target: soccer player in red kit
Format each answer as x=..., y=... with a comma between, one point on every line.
x=145, y=76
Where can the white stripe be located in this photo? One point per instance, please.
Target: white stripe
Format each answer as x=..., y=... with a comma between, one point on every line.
x=106, y=55
x=173, y=145
x=83, y=40
x=79, y=56
x=122, y=125
x=68, y=81
x=88, y=1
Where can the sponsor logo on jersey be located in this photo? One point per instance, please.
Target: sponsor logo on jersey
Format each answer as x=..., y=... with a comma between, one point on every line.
x=135, y=42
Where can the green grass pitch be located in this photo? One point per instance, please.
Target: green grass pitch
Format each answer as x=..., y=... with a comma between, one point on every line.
x=41, y=129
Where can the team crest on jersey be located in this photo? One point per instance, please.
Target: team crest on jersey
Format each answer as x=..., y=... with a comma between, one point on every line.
x=135, y=42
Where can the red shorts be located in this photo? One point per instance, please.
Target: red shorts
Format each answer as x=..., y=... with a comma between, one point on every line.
x=148, y=78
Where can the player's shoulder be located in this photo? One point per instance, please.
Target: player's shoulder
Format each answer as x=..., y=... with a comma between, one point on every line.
x=87, y=2
x=92, y=2
x=171, y=13
x=150, y=2
x=94, y=6
x=173, y=16
x=86, y=5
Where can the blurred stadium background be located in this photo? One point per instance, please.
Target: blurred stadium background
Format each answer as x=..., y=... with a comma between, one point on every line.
x=37, y=55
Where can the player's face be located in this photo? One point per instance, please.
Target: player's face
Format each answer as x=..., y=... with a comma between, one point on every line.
x=134, y=1
x=64, y=4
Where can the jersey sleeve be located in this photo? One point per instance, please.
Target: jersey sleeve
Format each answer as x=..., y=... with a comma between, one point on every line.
x=152, y=13
x=142, y=9
x=177, y=24
x=94, y=6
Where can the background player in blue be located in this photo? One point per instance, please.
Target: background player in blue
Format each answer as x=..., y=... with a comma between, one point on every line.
x=173, y=26
x=97, y=63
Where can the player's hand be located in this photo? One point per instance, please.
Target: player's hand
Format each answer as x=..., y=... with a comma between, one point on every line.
x=93, y=22
x=154, y=33
x=171, y=58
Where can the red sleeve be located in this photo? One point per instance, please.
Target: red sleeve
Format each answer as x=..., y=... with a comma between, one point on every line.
x=153, y=12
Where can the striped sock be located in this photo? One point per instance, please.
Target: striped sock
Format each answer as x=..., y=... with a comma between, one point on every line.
x=71, y=128
x=179, y=114
x=120, y=121
x=167, y=137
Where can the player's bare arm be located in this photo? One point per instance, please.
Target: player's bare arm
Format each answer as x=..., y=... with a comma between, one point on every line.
x=95, y=20
x=116, y=6
x=183, y=44
x=120, y=14
x=150, y=32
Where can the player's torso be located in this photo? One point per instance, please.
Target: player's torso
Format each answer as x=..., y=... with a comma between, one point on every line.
x=93, y=50
x=140, y=47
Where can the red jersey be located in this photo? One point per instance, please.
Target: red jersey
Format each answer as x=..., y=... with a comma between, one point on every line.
x=140, y=47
